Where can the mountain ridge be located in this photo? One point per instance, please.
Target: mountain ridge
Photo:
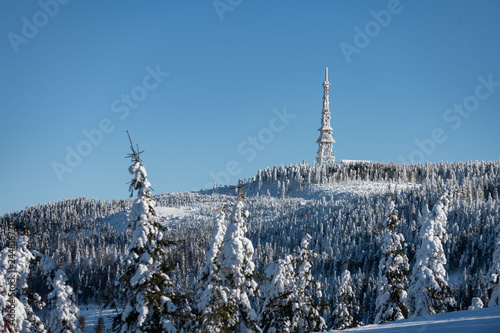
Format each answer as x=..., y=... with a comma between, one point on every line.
x=342, y=204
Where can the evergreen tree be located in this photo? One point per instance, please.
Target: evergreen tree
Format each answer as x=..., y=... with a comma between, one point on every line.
x=495, y=272
x=393, y=269
x=209, y=306
x=429, y=292
x=346, y=305
x=64, y=315
x=145, y=283
x=307, y=288
x=237, y=276
x=278, y=306
x=17, y=314
x=100, y=327
x=476, y=304
x=289, y=304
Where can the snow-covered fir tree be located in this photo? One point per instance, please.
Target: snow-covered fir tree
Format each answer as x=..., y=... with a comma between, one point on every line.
x=346, y=307
x=16, y=299
x=64, y=316
x=495, y=272
x=476, y=304
x=211, y=311
x=393, y=269
x=277, y=308
x=289, y=298
x=238, y=285
x=429, y=292
x=145, y=283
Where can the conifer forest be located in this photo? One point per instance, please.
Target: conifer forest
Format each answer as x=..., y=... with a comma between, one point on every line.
x=296, y=248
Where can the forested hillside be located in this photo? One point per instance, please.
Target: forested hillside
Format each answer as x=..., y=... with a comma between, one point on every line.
x=342, y=206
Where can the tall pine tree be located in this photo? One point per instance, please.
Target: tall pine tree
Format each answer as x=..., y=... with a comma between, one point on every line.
x=346, y=304
x=393, y=269
x=278, y=294
x=289, y=300
x=429, y=292
x=65, y=314
x=211, y=310
x=16, y=299
x=238, y=284
x=145, y=283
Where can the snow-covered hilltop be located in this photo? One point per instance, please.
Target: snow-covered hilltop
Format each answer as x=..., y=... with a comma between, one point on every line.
x=342, y=206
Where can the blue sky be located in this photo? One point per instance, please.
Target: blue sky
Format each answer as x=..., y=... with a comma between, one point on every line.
x=218, y=93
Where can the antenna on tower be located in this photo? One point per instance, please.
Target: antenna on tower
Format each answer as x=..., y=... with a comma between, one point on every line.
x=326, y=74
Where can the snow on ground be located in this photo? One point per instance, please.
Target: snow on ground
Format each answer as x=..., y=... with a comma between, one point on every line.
x=474, y=321
x=92, y=312
x=210, y=201
x=357, y=188
x=171, y=214
x=119, y=220
x=173, y=211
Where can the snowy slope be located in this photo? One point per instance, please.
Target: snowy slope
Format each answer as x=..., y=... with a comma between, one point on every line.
x=92, y=312
x=473, y=321
x=209, y=202
x=119, y=221
x=168, y=215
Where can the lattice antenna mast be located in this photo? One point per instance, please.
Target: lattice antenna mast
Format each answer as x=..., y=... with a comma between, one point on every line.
x=239, y=189
x=325, y=141
x=135, y=155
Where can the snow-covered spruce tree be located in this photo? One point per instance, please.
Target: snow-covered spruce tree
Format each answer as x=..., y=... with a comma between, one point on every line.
x=429, y=292
x=393, y=269
x=17, y=314
x=64, y=316
x=495, y=272
x=277, y=294
x=346, y=305
x=145, y=283
x=476, y=304
x=289, y=304
x=237, y=276
x=212, y=313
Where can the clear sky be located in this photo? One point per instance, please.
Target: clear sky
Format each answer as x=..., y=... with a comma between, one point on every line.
x=214, y=91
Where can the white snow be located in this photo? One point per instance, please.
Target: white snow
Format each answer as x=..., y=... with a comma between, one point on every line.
x=474, y=321
x=170, y=212
x=169, y=215
x=355, y=161
x=92, y=312
x=353, y=188
x=119, y=221
x=165, y=215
